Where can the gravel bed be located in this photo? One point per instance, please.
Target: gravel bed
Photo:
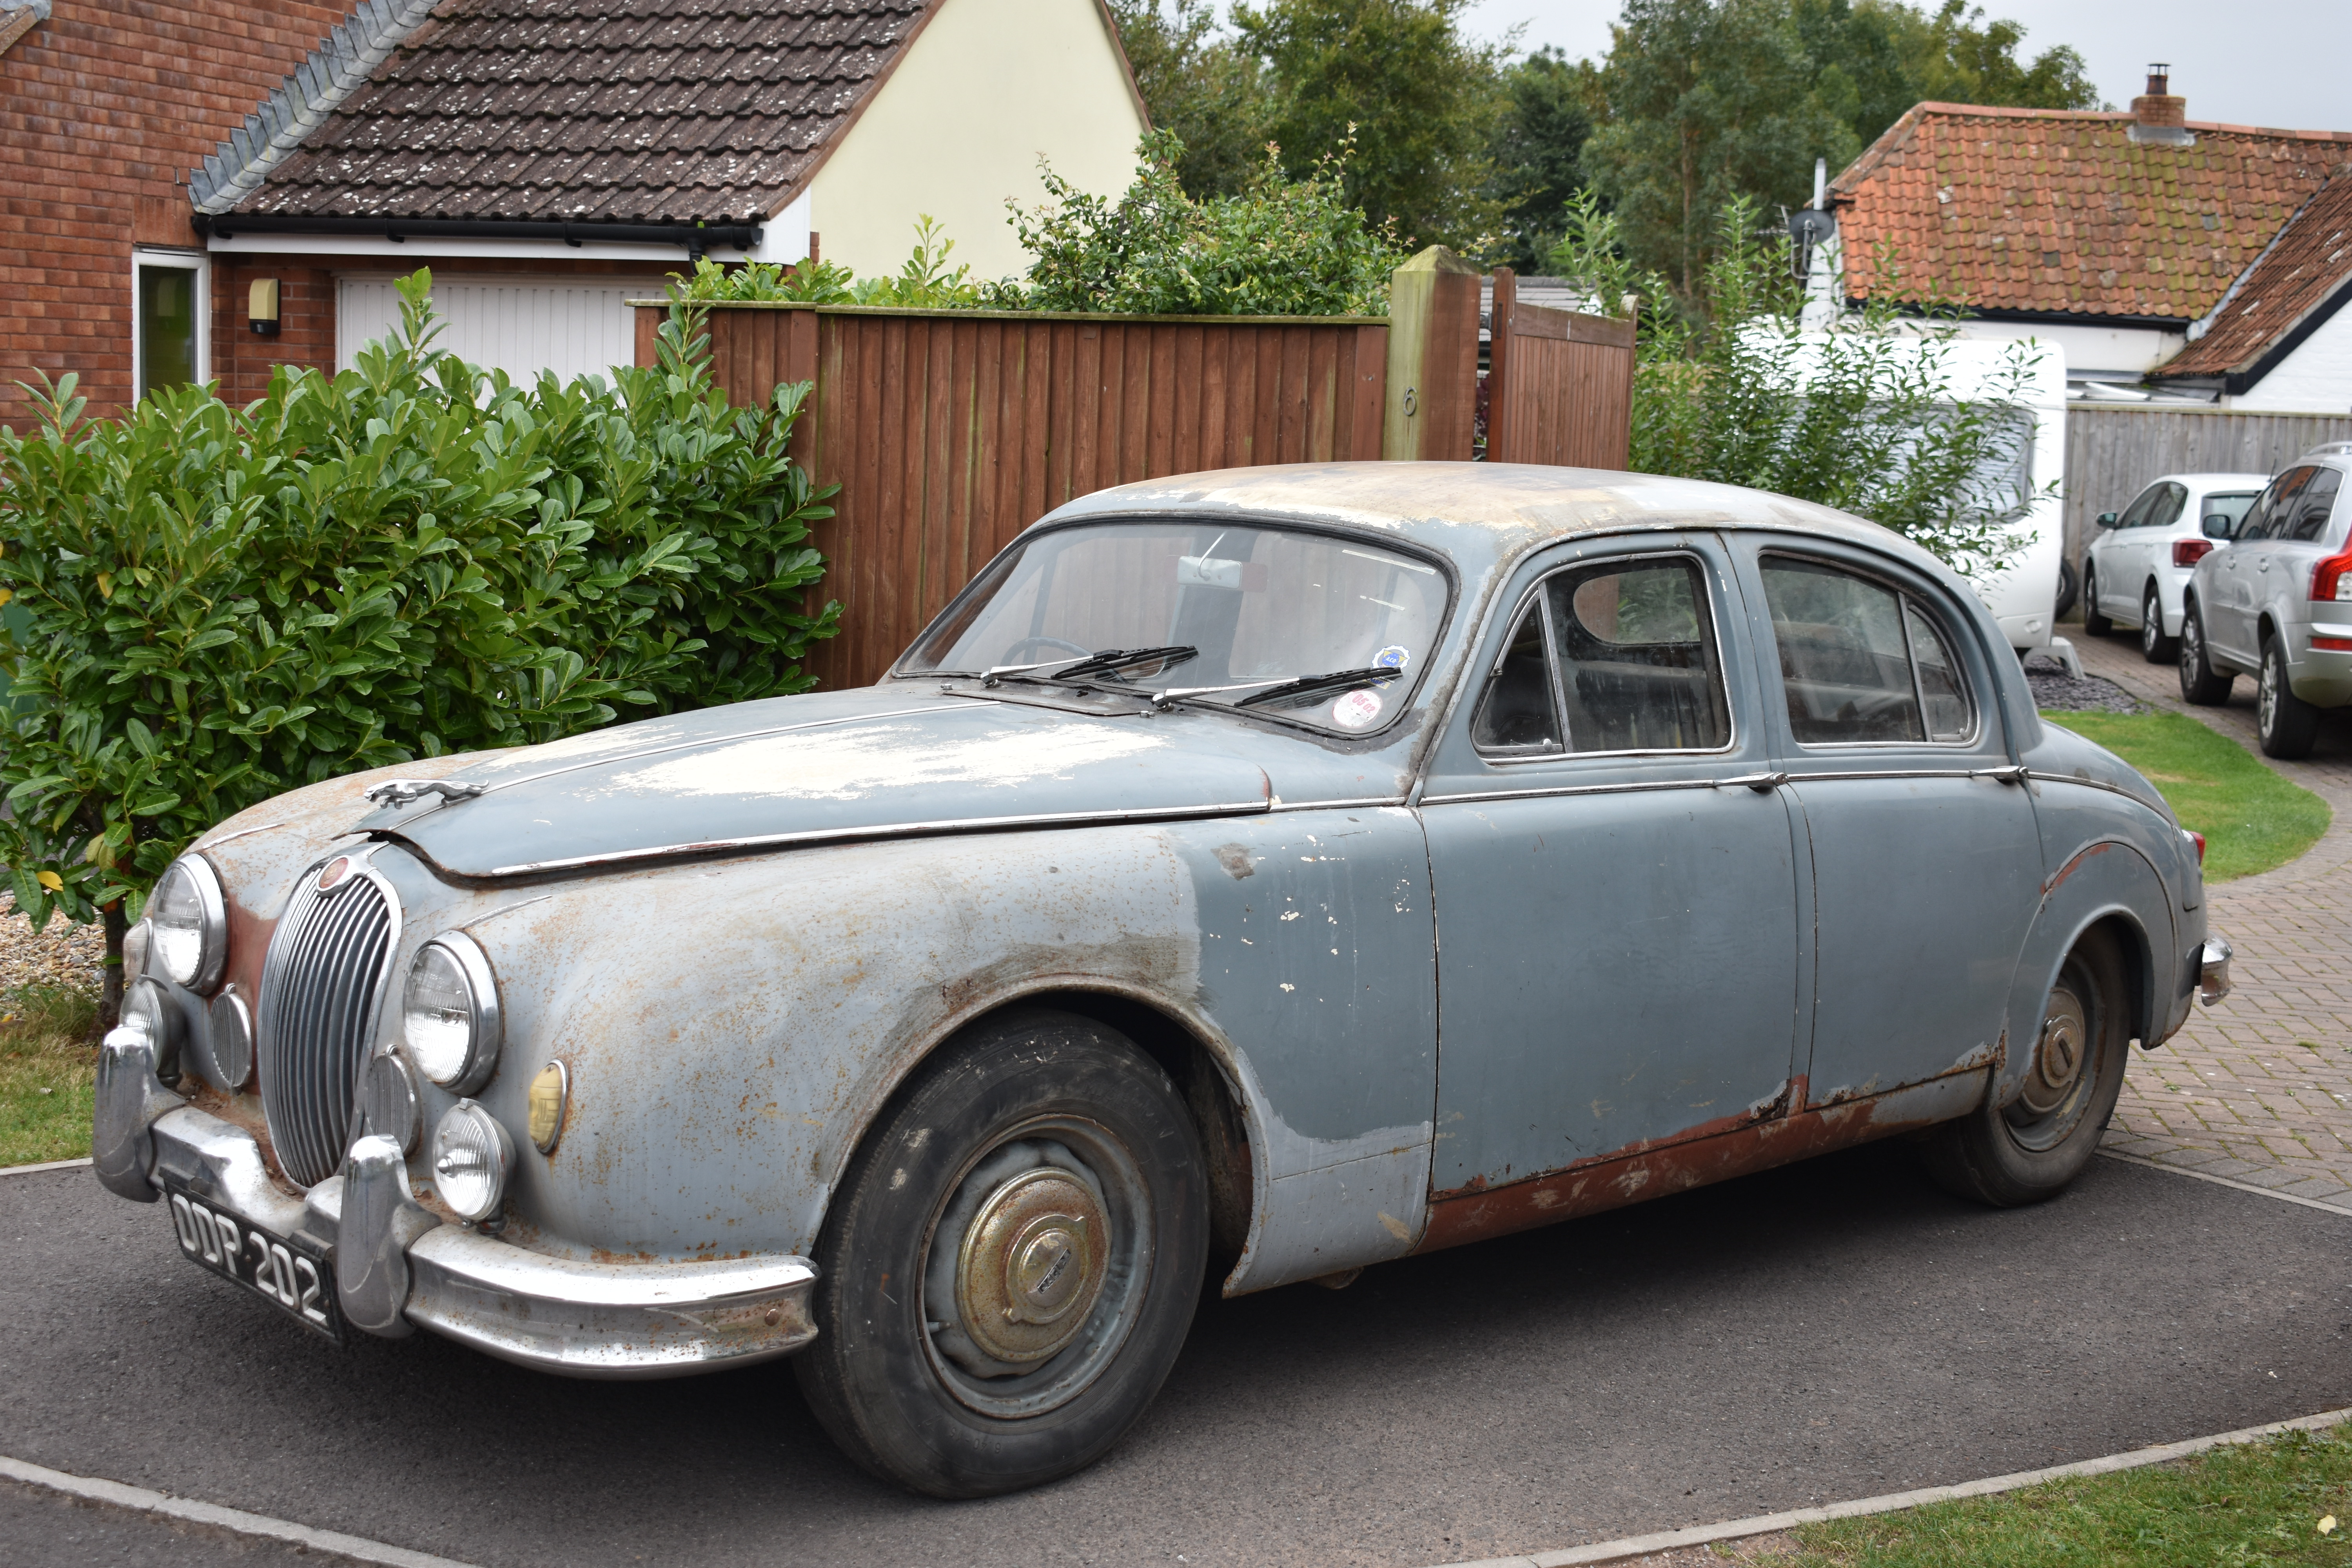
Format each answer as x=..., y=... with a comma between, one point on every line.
x=2055, y=689
x=64, y=955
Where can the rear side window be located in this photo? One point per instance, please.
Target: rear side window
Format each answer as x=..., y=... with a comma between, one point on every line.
x=1860, y=661
x=2310, y=518
x=1618, y=657
x=2268, y=517
x=2167, y=510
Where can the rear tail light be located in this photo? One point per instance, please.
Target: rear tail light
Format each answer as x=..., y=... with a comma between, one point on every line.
x=2201, y=847
x=2332, y=578
x=2189, y=552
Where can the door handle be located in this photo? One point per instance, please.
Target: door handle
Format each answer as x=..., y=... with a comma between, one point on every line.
x=2014, y=773
x=1763, y=783
x=2262, y=564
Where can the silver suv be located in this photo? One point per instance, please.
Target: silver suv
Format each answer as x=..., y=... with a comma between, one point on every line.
x=2277, y=606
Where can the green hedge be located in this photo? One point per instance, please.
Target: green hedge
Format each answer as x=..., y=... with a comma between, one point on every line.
x=210, y=606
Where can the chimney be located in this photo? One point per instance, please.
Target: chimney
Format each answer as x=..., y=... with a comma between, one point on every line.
x=2158, y=117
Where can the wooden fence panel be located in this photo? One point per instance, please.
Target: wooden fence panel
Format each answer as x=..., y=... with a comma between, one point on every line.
x=1560, y=385
x=2113, y=452
x=949, y=432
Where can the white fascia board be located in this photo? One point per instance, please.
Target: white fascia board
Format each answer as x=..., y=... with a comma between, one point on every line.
x=783, y=236
x=357, y=248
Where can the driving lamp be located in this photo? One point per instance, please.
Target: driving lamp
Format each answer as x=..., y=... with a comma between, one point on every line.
x=472, y=1156
x=450, y=1013
x=146, y=1009
x=188, y=924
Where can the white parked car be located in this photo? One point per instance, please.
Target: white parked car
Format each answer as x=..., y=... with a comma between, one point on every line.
x=2140, y=559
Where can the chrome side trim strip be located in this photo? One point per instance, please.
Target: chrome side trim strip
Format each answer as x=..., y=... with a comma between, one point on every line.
x=1578, y=789
x=886, y=831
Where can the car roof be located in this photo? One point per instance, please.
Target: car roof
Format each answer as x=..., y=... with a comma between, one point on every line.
x=2209, y=481
x=1483, y=514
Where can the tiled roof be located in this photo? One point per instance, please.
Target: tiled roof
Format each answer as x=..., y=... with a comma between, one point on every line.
x=2307, y=268
x=634, y=110
x=2062, y=212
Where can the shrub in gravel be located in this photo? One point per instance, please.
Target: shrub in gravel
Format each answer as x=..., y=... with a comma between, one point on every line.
x=410, y=558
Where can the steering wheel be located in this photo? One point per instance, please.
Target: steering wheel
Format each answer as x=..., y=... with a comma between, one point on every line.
x=1024, y=651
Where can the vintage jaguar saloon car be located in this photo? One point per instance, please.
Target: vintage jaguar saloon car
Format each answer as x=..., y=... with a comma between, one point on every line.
x=1278, y=871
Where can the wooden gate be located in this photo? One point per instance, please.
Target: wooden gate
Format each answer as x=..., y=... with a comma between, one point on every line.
x=1559, y=383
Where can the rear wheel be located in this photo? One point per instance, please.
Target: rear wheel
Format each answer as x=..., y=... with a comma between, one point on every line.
x=1012, y=1261
x=2153, y=646
x=2094, y=622
x=2032, y=1148
x=2200, y=683
x=2287, y=724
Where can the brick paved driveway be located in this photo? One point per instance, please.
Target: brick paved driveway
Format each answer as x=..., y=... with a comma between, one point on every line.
x=2259, y=1090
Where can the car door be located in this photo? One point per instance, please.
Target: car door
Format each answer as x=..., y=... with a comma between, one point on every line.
x=1613, y=870
x=2118, y=588
x=2245, y=572
x=2299, y=543
x=2152, y=542
x=1927, y=864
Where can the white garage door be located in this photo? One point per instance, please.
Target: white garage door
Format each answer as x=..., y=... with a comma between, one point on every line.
x=522, y=325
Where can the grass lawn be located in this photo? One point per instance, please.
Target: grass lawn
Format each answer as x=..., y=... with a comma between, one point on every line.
x=49, y=1075
x=2261, y=1503
x=2252, y=818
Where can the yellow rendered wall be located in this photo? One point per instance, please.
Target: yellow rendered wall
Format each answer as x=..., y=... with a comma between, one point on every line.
x=988, y=86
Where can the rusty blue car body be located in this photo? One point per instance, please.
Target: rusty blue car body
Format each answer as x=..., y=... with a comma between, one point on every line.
x=1452, y=967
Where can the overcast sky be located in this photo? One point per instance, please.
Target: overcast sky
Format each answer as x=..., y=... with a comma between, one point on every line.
x=2280, y=63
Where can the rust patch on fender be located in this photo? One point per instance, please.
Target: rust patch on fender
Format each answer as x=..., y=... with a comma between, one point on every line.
x=2072, y=866
x=1615, y=1181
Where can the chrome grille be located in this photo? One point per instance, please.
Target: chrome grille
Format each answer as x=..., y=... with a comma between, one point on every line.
x=319, y=987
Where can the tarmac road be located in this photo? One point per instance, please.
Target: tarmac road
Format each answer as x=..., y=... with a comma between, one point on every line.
x=1838, y=1330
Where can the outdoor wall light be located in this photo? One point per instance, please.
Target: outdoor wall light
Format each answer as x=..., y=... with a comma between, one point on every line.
x=261, y=307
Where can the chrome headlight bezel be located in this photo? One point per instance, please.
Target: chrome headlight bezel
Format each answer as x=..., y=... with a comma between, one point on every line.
x=202, y=975
x=464, y=1129
x=459, y=1073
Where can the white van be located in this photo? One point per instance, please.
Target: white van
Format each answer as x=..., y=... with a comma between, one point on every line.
x=2023, y=595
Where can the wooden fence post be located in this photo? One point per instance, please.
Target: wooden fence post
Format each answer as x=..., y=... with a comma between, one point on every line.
x=1432, y=381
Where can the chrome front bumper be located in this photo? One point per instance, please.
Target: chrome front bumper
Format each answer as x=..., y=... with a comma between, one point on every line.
x=398, y=1268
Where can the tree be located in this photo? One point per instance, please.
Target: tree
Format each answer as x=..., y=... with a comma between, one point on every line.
x=1395, y=87
x=1547, y=118
x=1199, y=83
x=1706, y=100
x=1875, y=59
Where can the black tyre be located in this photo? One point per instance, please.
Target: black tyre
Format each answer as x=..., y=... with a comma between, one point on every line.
x=2030, y=1149
x=2093, y=624
x=1012, y=1261
x=2285, y=723
x=2153, y=646
x=2200, y=683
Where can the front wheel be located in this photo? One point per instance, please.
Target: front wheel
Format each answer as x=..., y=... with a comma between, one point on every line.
x=1010, y=1263
x=2287, y=725
x=2200, y=683
x=2094, y=622
x=2153, y=646
x=2032, y=1149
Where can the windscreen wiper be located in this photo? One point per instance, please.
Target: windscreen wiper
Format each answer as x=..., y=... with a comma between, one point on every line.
x=1104, y=661
x=1309, y=690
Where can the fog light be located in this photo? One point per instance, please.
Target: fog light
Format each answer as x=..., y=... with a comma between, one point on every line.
x=472, y=1156
x=550, y=1095
x=231, y=1032
x=146, y=1009
x=388, y=1102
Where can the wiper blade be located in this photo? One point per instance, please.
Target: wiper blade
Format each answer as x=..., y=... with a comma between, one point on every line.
x=1103, y=661
x=1308, y=689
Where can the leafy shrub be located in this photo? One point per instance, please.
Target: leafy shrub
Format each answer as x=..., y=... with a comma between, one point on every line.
x=1863, y=417
x=924, y=281
x=407, y=559
x=1281, y=247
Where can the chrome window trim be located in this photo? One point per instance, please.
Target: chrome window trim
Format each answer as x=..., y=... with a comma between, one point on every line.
x=1567, y=752
x=1938, y=624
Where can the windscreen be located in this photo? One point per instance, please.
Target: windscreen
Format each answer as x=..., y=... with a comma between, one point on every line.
x=1261, y=604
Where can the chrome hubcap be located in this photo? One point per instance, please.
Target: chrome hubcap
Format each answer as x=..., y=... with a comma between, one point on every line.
x=2058, y=1059
x=1031, y=1265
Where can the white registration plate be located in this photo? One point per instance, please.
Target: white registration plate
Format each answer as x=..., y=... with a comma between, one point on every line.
x=288, y=1273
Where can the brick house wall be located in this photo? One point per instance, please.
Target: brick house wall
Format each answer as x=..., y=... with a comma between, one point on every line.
x=103, y=109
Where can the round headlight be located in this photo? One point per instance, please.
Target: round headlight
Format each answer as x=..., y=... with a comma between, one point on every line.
x=188, y=924
x=450, y=1013
x=472, y=1156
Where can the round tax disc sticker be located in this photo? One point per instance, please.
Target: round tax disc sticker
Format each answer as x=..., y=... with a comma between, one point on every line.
x=1393, y=656
x=1355, y=710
